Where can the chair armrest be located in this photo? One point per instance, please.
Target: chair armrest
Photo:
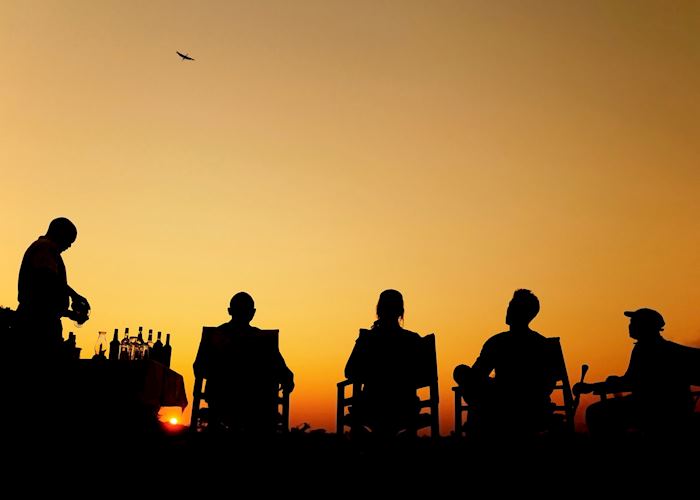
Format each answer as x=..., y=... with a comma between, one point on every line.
x=603, y=391
x=344, y=383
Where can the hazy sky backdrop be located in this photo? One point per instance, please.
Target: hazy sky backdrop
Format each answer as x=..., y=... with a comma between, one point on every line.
x=318, y=152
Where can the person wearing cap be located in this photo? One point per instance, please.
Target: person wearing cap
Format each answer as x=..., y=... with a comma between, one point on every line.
x=658, y=379
x=43, y=290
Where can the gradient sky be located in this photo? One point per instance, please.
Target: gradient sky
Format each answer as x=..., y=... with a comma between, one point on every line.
x=318, y=152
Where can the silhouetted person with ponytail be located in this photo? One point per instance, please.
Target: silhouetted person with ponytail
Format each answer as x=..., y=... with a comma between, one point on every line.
x=516, y=401
x=385, y=360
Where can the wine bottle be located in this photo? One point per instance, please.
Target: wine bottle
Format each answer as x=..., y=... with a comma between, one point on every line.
x=148, y=347
x=167, y=351
x=114, y=346
x=157, y=351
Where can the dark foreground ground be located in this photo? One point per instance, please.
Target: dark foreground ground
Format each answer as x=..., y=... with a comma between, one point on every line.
x=319, y=464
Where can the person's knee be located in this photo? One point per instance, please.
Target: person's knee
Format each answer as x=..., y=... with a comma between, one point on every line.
x=462, y=375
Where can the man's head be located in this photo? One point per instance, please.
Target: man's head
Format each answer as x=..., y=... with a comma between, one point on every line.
x=242, y=308
x=645, y=323
x=390, y=305
x=62, y=232
x=522, y=309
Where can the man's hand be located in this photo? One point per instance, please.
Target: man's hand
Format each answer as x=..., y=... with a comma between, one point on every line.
x=79, y=299
x=582, y=388
x=70, y=314
x=616, y=384
x=80, y=308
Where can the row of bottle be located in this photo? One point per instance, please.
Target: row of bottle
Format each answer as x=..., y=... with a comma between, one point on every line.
x=136, y=348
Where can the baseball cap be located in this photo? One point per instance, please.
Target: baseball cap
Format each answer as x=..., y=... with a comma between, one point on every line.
x=647, y=316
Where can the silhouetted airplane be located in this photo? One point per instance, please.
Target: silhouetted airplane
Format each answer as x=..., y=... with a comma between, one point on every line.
x=185, y=57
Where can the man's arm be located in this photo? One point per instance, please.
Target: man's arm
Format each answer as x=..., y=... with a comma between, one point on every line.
x=484, y=364
x=613, y=383
x=286, y=376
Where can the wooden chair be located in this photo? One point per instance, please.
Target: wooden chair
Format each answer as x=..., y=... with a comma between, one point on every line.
x=601, y=390
x=563, y=411
x=427, y=380
x=201, y=416
x=688, y=361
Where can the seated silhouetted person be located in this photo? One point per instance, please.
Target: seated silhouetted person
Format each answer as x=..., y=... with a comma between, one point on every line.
x=243, y=371
x=516, y=401
x=384, y=361
x=658, y=378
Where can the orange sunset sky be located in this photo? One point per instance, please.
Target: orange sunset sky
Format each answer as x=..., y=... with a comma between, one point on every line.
x=318, y=152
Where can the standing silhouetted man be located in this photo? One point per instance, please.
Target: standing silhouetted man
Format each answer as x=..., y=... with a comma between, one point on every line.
x=44, y=294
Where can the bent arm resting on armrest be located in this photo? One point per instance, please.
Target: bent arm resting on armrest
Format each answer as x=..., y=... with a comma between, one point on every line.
x=612, y=384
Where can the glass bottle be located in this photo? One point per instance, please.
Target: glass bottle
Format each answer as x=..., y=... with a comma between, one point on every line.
x=157, y=351
x=71, y=349
x=114, y=346
x=148, y=347
x=101, y=345
x=167, y=350
x=138, y=347
x=125, y=346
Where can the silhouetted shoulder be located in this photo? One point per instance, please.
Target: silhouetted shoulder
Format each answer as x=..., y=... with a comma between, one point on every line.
x=230, y=329
x=495, y=341
x=411, y=334
x=537, y=335
x=510, y=336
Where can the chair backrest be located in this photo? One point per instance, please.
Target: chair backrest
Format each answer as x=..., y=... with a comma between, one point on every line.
x=425, y=376
x=214, y=341
x=563, y=409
